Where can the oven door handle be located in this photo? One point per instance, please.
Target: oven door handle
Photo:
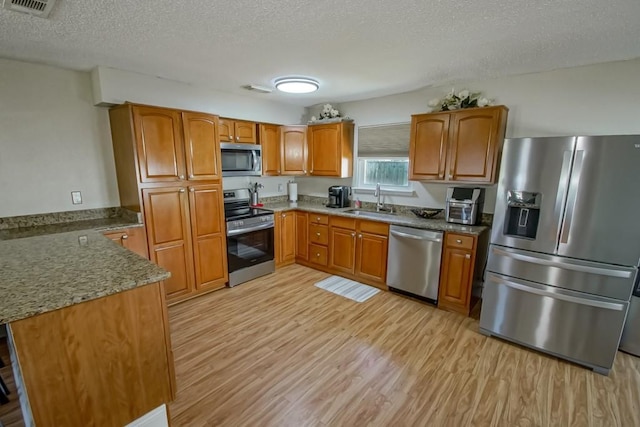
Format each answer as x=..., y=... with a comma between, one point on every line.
x=248, y=230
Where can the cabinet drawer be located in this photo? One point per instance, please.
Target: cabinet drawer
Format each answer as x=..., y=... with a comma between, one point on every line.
x=374, y=227
x=459, y=241
x=319, y=234
x=342, y=222
x=318, y=218
x=318, y=254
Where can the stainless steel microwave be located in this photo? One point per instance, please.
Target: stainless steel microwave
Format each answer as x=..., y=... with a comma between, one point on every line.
x=241, y=159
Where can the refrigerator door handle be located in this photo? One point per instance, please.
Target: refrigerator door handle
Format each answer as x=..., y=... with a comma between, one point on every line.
x=572, y=195
x=561, y=197
x=563, y=265
x=568, y=298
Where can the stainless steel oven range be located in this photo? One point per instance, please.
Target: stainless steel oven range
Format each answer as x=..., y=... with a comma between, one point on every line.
x=250, y=239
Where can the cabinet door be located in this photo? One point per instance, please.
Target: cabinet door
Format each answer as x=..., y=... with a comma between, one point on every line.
x=168, y=233
x=342, y=250
x=209, y=236
x=245, y=132
x=293, y=150
x=372, y=257
x=159, y=144
x=428, y=146
x=226, y=130
x=324, y=142
x=455, y=280
x=270, y=142
x=302, y=235
x=475, y=139
x=201, y=145
x=288, y=237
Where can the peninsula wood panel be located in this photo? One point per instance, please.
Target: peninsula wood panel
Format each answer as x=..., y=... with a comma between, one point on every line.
x=159, y=144
x=104, y=362
x=270, y=142
x=293, y=150
x=201, y=146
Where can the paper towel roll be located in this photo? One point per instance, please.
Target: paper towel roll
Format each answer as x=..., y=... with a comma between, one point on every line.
x=293, y=191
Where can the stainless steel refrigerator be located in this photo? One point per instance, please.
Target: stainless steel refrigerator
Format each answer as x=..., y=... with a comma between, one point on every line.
x=565, y=246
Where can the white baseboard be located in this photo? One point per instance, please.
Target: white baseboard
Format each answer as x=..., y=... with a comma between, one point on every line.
x=155, y=418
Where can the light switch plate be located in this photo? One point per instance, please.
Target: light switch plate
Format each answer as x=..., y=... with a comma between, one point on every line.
x=76, y=197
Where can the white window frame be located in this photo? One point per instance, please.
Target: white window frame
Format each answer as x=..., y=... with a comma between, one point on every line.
x=361, y=187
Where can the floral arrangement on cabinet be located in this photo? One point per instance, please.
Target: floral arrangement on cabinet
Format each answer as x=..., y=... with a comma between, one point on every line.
x=460, y=100
x=328, y=115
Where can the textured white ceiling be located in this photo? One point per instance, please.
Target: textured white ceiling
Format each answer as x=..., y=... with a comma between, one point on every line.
x=357, y=49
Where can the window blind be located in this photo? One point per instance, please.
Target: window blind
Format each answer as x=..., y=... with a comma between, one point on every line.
x=384, y=140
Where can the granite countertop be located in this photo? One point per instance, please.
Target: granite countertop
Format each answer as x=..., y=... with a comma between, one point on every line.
x=408, y=220
x=100, y=224
x=49, y=272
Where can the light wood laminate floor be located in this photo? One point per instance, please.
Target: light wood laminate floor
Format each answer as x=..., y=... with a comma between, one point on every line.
x=278, y=351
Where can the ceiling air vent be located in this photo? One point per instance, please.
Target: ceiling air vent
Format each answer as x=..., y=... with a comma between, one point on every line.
x=40, y=8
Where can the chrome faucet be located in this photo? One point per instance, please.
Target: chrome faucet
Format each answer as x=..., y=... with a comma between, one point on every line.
x=380, y=206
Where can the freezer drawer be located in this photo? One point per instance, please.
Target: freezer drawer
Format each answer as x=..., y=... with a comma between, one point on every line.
x=572, y=325
x=582, y=276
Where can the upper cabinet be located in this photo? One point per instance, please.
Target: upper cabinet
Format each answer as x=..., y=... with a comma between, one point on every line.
x=270, y=142
x=331, y=149
x=238, y=131
x=293, y=150
x=171, y=146
x=459, y=146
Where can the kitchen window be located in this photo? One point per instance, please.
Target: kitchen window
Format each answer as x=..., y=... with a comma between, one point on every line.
x=383, y=157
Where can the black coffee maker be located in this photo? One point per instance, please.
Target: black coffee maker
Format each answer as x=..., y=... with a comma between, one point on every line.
x=339, y=196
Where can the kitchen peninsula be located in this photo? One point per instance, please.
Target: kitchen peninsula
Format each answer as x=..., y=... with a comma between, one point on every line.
x=87, y=327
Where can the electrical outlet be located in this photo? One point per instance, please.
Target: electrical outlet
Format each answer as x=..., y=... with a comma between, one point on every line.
x=76, y=197
x=280, y=188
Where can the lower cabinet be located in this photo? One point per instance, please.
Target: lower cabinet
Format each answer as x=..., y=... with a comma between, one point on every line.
x=358, y=249
x=134, y=239
x=302, y=236
x=186, y=236
x=285, y=241
x=457, y=273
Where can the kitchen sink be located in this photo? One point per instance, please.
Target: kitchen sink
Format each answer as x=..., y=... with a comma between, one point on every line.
x=369, y=214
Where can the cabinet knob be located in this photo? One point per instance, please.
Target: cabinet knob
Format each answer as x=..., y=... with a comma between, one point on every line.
x=124, y=237
x=318, y=218
x=450, y=176
x=467, y=256
x=191, y=176
x=230, y=137
x=458, y=241
x=284, y=215
x=318, y=254
x=353, y=234
x=182, y=190
x=181, y=177
x=359, y=236
x=304, y=171
x=237, y=138
x=278, y=170
x=318, y=234
x=193, y=190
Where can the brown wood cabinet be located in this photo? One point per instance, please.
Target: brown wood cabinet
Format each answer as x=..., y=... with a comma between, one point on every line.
x=134, y=239
x=285, y=238
x=457, y=146
x=457, y=272
x=302, y=234
x=169, y=236
x=238, y=131
x=358, y=249
x=169, y=168
x=293, y=150
x=270, y=142
x=208, y=234
x=331, y=149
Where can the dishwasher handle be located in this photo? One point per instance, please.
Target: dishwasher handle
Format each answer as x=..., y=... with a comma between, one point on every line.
x=415, y=237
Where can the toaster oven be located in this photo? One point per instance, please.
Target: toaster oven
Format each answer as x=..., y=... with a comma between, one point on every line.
x=464, y=205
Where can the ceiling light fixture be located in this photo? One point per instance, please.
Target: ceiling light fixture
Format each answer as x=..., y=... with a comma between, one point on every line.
x=296, y=85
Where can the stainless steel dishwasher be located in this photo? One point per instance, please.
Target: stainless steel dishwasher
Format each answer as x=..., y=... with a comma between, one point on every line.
x=414, y=261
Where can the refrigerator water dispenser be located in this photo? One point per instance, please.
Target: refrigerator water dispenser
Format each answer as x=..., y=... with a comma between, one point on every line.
x=523, y=214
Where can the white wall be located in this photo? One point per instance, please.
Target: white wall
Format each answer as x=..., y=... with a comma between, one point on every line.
x=113, y=86
x=273, y=185
x=52, y=141
x=597, y=99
